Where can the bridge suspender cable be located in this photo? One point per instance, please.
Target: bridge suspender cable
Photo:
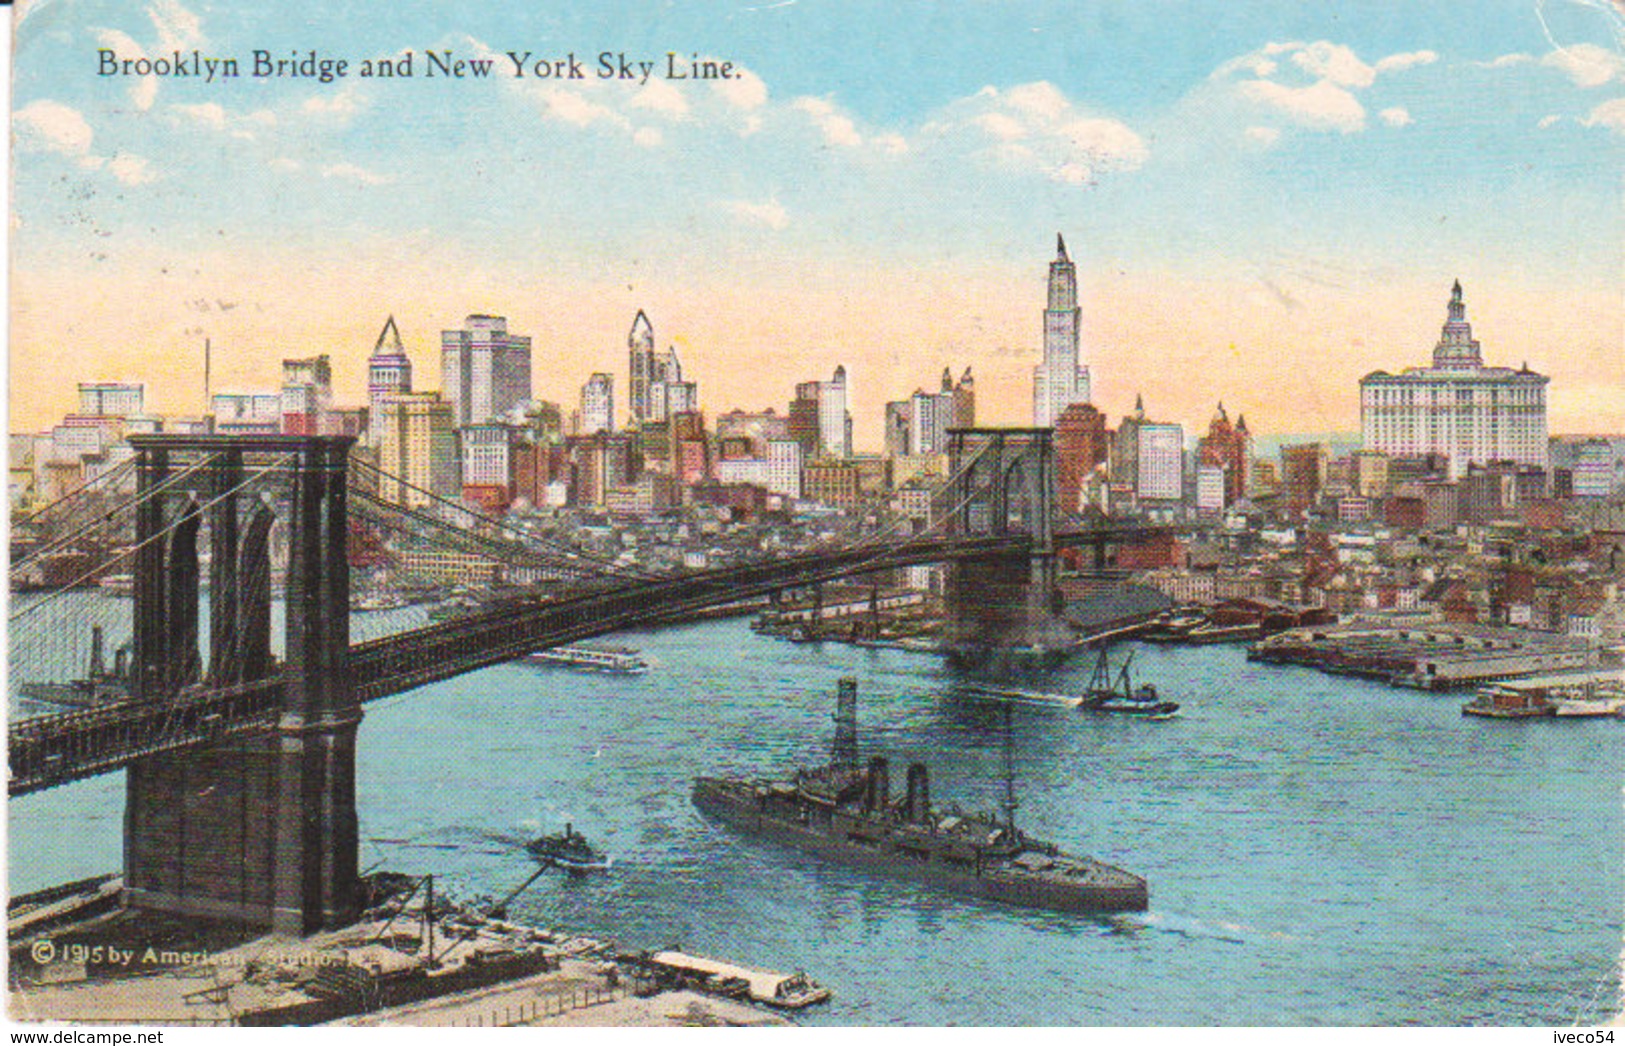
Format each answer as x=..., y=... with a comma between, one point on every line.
x=127, y=553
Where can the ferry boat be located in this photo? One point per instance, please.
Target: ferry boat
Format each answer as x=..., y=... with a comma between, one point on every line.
x=117, y=584
x=617, y=660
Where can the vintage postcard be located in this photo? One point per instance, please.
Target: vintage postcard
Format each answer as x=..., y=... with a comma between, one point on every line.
x=774, y=512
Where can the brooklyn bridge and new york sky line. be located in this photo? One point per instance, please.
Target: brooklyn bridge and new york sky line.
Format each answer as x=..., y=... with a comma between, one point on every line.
x=1266, y=201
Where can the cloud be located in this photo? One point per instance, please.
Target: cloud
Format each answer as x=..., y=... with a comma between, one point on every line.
x=131, y=169
x=769, y=213
x=836, y=126
x=1610, y=114
x=349, y=172
x=648, y=137
x=1036, y=127
x=178, y=28
x=143, y=89
x=209, y=114
x=746, y=91
x=1334, y=63
x=1548, y=121
x=661, y=97
x=342, y=104
x=1506, y=61
x=1395, y=62
x=1320, y=106
x=53, y=127
x=1587, y=64
x=1398, y=116
x=1265, y=136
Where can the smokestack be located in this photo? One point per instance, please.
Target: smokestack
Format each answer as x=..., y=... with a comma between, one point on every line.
x=879, y=793
x=919, y=793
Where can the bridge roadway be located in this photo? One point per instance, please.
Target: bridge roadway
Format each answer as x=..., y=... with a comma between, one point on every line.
x=50, y=750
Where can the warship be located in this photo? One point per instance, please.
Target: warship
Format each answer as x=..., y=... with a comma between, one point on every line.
x=844, y=811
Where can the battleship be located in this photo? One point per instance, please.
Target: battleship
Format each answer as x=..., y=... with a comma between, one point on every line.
x=844, y=811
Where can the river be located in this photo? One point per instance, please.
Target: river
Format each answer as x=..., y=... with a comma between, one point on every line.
x=1320, y=850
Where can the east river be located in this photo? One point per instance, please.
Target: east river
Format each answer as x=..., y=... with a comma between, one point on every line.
x=1320, y=850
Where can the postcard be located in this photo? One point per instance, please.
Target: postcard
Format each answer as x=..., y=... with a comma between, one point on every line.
x=800, y=512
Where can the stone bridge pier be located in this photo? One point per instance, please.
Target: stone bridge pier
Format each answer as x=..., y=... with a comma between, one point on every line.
x=260, y=829
x=1004, y=609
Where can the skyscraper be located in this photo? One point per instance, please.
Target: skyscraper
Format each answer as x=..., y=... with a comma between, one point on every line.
x=1457, y=407
x=598, y=404
x=389, y=372
x=640, y=346
x=484, y=370
x=1060, y=380
x=417, y=448
x=834, y=420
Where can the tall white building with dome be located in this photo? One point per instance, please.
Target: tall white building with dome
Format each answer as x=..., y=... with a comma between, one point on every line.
x=1458, y=407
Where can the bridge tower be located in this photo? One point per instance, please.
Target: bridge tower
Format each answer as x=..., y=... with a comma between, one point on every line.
x=1003, y=607
x=260, y=829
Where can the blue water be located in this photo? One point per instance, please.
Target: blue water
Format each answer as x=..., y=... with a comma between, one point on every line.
x=1320, y=850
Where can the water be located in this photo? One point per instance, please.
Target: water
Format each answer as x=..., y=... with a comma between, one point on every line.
x=1320, y=850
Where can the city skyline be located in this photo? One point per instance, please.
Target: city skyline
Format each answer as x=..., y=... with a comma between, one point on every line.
x=1294, y=185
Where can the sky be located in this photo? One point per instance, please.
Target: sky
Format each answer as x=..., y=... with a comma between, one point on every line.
x=1265, y=201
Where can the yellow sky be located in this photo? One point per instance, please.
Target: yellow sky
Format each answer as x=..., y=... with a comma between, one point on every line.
x=1287, y=354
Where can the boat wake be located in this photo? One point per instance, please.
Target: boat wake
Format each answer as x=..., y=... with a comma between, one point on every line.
x=1190, y=927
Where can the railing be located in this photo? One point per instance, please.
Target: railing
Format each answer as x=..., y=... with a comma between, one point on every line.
x=50, y=750
x=542, y=1007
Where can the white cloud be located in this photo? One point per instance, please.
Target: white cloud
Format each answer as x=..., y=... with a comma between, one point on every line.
x=893, y=144
x=283, y=163
x=53, y=127
x=746, y=91
x=1395, y=62
x=1335, y=63
x=131, y=169
x=1320, y=106
x=648, y=137
x=143, y=89
x=1505, y=61
x=1587, y=64
x=1041, y=99
x=1610, y=114
x=342, y=104
x=769, y=213
x=578, y=110
x=1265, y=136
x=661, y=97
x=210, y=114
x=1036, y=127
x=350, y=172
x=1398, y=116
x=1005, y=128
x=837, y=127
x=1548, y=121
x=178, y=28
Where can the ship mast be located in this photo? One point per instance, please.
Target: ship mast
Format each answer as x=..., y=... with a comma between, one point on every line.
x=1010, y=803
x=845, y=750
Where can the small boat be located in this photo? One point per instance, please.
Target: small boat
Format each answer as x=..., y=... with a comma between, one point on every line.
x=1119, y=695
x=618, y=660
x=379, y=601
x=1503, y=702
x=784, y=991
x=117, y=584
x=1590, y=706
x=569, y=850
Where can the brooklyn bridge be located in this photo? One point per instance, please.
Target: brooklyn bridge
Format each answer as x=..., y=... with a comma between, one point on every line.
x=240, y=760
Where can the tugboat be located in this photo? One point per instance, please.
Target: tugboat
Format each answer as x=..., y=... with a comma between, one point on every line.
x=569, y=850
x=1108, y=695
x=845, y=812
